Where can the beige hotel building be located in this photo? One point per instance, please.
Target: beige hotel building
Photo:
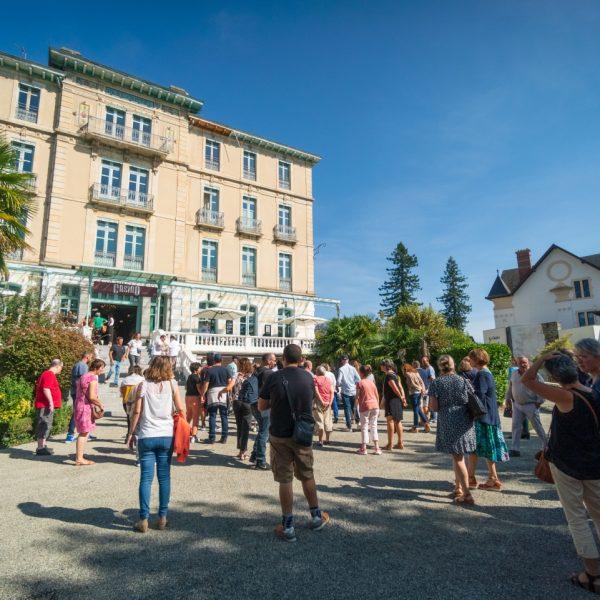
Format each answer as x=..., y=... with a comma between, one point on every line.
x=150, y=212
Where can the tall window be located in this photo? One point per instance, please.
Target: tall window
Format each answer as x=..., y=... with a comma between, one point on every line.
x=106, y=243
x=285, y=217
x=285, y=272
x=248, y=323
x=211, y=199
x=249, y=266
x=212, y=155
x=69, y=300
x=110, y=179
x=115, y=122
x=285, y=177
x=209, y=260
x=285, y=330
x=138, y=185
x=141, y=130
x=135, y=243
x=207, y=325
x=24, y=157
x=28, y=104
x=582, y=288
x=249, y=165
x=249, y=211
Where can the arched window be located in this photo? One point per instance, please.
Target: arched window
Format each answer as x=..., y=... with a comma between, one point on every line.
x=252, y=327
x=285, y=330
x=207, y=325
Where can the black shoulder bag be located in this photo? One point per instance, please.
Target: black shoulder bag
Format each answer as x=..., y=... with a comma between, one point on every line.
x=475, y=406
x=303, y=424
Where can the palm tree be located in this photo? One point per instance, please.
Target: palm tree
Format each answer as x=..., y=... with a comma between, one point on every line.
x=16, y=202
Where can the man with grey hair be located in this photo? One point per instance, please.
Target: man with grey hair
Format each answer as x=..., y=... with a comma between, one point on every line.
x=525, y=404
x=587, y=353
x=47, y=397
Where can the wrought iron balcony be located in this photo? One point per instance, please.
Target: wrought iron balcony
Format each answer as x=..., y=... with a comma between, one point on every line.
x=31, y=116
x=284, y=184
x=127, y=137
x=105, y=259
x=209, y=275
x=249, y=174
x=285, y=233
x=249, y=227
x=15, y=255
x=213, y=165
x=249, y=279
x=135, y=263
x=285, y=284
x=127, y=200
x=210, y=219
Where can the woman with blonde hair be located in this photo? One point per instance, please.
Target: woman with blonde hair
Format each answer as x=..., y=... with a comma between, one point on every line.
x=490, y=439
x=455, y=435
x=416, y=389
x=153, y=420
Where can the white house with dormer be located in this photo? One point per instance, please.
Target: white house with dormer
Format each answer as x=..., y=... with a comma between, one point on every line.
x=535, y=304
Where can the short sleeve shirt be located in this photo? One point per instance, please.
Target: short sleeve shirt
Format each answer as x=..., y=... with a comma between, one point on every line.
x=191, y=385
x=216, y=376
x=388, y=392
x=118, y=352
x=47, y=380
x=301, y=391
x=79, y=369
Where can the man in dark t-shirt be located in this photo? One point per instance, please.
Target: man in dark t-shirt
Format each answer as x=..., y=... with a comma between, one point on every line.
x=288, y=458
x=216, y=384
x=117, y=353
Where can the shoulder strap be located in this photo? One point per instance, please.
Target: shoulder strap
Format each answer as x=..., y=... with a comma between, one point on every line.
x=284, y=381
x=589, y=405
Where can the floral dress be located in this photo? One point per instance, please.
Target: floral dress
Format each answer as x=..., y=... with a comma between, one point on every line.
x=83, y=408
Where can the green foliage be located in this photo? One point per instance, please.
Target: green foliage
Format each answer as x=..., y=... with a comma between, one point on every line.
x=15, y=398
x=562, y=343
x=22, y=311
x=402, y=284
x=455, y=298
x=500, y=361
x=16, y=202
x=27, y=352
x=347, y=335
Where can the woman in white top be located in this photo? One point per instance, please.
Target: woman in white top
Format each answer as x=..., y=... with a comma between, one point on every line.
x=153, y=418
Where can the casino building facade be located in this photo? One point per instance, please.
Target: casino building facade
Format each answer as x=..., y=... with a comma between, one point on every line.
x=150, y=212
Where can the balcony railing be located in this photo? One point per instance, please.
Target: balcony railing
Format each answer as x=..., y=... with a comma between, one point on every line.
x=209, y=275
x=23, y=114
x=284, y=184
x=213, y=165
x=146, y=143
x=285, y=233
x=105, y=259
x=251, y=227
x=285, y=284
x=249, y=174
x=210, y=219
x=133, y=200
x=249, y=279
x=135, y=263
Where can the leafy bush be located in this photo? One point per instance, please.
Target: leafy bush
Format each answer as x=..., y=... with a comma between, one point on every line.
x=28, y=351
x=15, y=398
x=500, y=357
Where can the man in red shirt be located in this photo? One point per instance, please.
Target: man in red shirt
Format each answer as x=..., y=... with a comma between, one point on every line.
x=47, y=397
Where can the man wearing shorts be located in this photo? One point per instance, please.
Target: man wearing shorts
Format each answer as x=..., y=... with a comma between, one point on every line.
x=288, y=458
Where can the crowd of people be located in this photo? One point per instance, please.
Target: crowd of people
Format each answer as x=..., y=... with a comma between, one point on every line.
x=286, y=403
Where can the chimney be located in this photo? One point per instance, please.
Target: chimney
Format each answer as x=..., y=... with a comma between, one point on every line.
x=524, y=263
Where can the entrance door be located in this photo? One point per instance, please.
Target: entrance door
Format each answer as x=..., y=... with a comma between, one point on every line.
x=125, y=315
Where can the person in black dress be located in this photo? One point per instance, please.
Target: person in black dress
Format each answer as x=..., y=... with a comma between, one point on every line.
x=394, y=403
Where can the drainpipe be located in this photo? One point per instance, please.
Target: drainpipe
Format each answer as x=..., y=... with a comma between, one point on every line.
x=158, y=302
x=89, y=305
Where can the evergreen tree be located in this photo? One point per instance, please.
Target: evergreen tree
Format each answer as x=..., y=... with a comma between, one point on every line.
x=402, y=284
x=455, y=298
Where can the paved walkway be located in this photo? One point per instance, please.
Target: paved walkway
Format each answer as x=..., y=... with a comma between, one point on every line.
x=66, y=531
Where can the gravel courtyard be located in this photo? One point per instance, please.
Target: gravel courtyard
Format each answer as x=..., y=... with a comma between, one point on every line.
x=395, y=533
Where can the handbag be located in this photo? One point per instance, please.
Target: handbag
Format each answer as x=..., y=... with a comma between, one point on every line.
x=475, y=406
x=97, y=412
x=303, y=424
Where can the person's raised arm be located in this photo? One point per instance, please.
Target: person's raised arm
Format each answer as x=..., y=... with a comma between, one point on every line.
x=561, y=397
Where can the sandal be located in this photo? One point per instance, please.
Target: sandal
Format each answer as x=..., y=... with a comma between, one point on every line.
x=465, y=499
x=491, y=485
x=472, y=483
x=589, y=585
x=84, y=463
x=388, y=448
x=399, y=446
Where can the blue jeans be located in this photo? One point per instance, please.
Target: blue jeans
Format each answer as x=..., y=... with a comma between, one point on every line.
x=212, y=421
x=335, y=407
x=117, y=367
x=263, y=418
x=417, y=410
x=349, y=409
x=156, y=450
x=71, y=430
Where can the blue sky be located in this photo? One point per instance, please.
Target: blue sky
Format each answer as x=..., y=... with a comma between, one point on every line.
x=463, y=128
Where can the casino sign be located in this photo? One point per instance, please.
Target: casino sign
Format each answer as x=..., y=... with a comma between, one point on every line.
x=124, y=289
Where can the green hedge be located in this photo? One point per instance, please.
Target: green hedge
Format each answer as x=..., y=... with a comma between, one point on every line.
x=22, y=430
x=500, y=357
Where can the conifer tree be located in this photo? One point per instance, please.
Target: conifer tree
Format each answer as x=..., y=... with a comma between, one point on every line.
x=402, y=283
x=455, y=299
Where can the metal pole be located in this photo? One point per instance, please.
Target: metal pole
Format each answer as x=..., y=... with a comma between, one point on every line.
x=158, y=302
x=89, y=305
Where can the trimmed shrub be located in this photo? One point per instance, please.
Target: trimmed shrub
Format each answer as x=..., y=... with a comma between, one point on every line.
x=16, y=411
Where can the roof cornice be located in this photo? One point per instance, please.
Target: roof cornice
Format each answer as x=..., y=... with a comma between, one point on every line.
x=244, y=137
x=28, y=67
x=69, y=60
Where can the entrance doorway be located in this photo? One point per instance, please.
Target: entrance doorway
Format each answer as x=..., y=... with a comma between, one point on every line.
x=125, y=315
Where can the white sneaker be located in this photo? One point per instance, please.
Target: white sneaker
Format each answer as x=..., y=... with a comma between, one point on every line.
x=192, y=439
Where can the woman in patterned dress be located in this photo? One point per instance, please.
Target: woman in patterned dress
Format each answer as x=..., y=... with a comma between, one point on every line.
x=455, y=431
x=86, y=397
